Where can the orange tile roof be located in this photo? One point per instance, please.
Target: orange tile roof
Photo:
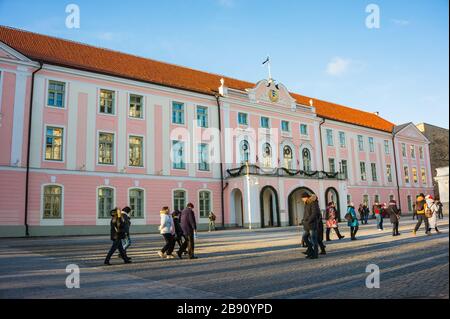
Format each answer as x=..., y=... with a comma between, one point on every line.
x=71, y=54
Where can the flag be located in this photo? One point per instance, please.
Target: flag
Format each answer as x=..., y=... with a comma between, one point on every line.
x=267, y=60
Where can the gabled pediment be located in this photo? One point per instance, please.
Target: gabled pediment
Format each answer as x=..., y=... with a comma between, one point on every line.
x=272, y=93
x=410, y=131
x=8, y=53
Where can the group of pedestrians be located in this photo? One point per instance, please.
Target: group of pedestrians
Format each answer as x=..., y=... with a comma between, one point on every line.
x=427, y=211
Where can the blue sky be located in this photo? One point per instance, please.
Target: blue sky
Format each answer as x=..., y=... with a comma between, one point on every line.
x=318, y=48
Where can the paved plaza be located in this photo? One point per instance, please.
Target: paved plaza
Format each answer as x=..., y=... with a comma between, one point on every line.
x=264, y=263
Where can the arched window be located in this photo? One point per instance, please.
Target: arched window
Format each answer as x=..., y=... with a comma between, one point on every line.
x=137, y=203
x=267, y=155
x=204, y=203
x=105, y=197
x=179, y=200
x=244, y=149
x=306, y=156
x=52, y=202
x=287, y=156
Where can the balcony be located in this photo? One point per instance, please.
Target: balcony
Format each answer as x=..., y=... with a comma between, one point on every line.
x=251, y=169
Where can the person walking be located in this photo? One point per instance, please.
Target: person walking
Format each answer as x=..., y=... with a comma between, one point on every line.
x=440, y=209
x=431, y=209
x=189, y=226
x=378, y=215
x=394, y=216
x=352, y=221
x=320, y=235
x=414, y=210
x=310, y=225
x=366, y=214
x=126, y=242
x=420, y=212
x=179, y=236
x=331, y=222
x=167, y=230
x=361, y=213
x=117, y=233
x=212, y=221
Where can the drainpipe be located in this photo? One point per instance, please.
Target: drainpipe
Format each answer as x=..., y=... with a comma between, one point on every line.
x=27, y=176
x=222, y=187
x=396, y=172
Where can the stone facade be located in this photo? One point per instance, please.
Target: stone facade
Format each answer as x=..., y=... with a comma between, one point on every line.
x=439, y=153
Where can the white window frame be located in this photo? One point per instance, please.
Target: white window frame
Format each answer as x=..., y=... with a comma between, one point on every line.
x=246, y=119
x=361, y=175
x=104, y=221
x=327, y=136
x=404, y=150
x=143, y=219
x=207, y=116
x=415, y=182
x=143, y=106
x=142, y=151
x=116, y=97
x=97, y=149
x=198, y=159
x=372, y=166
x=288, y=126
x=387, y=147
x=186, y=198
x=389, y=177
x=200, y=218
x=171, y=113
x=360, y=141
x=66, y=89
x=406, y=169
x=268, y=122
x=371, y=142
x=51, y=222
x=300, y=128
x=342, y=134
x=183, y=156
x=423, y=173
x=63, y=160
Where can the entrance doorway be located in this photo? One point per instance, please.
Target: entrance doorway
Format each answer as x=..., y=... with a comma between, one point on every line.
x=296, y=205
x=237, y=207
x=332, y=195
x=270, y=213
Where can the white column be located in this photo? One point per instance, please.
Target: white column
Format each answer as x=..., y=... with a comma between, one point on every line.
x=19, y=117
x=37, y=122
x=121, y=136
x=150, y=142
x=71, y=142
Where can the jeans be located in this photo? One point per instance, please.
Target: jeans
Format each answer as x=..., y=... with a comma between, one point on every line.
x=379, y=221
x=170, y=244
x=117, y=244
x=311, y=240
x=421, y=218
x=366, y=218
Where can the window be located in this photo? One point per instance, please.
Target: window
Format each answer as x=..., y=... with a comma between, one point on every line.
x=344, y=168
x=267, y=155
x=373, y=168
x=360, y=143
x=202, y=116
x=106, y=148
x=371, y=145
x=403, y=149
x=137, y=203
x=412, y=150
x=342, y=141
x=331, y=165
x=136, y=107
x=386, y=147
x=389, y=172
x=244, y=150
x=421, y=152
x=406, y=172
x=178, y=155
x=366, y=200
x=179, y=200
x=415, y=176
x=177, y=113
x=409, y=200
x=306, y=156
x=203, y=158
x=362, y=168
x=264, y=122
x=204, y=203
x=242, y=118
x=287, y=156
x=377, y=198
x=54, y=143
x=52, y=202
x=135, y=154
x=424, y=175
x=105, y=202
x=56, y=94
x=304, y=129
x=285, y=126
x=330, y=137
x=107, y=101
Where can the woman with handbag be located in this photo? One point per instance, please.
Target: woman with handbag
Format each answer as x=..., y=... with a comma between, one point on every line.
x=331, y=222
x=431, y=212
x=352, y=221
x=167, y=229
x=117, y=234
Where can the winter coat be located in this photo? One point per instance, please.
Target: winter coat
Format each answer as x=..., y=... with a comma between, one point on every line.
x=178, y=230
x=394, y=213
x=435, y=209
x=166, y=226
x=420, y=205
x=354, y=222
x=127, y=221
x=331, y=217
x=188, y=223
x=312, y=213
x=117, y=228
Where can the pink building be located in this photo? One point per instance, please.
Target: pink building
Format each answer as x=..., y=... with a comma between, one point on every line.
x=85, y=129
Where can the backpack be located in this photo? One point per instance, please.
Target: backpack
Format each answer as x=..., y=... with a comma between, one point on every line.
x=213, y=217
x=428, y=212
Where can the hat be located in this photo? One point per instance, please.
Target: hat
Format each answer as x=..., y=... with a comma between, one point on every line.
x=126, y=209
x=429, y=197
x=305, y=195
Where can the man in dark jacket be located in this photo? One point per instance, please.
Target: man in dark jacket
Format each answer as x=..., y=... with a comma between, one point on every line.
x=189, y=227
x=310, y=225
x=117, y=234
x=394, y=216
